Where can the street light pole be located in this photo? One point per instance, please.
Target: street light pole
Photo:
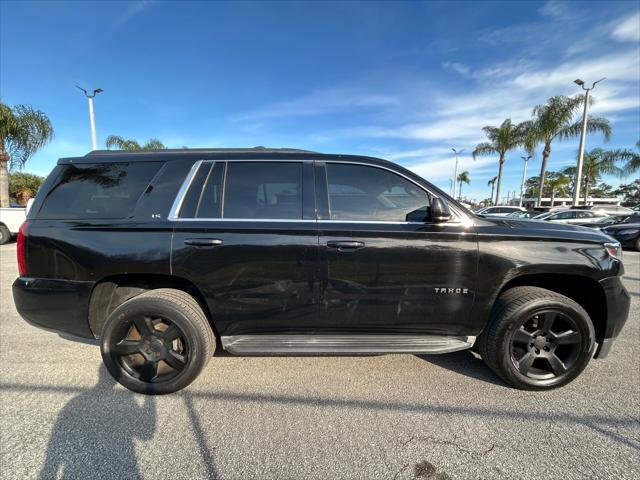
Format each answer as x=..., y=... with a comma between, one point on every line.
x=576, y=190
x=455, y=171
x=92, y=120
x=524, y=174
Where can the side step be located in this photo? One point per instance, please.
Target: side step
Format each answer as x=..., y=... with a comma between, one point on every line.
x=343, y=344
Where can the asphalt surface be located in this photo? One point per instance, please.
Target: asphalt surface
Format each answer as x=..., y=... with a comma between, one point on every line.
x=387, y=417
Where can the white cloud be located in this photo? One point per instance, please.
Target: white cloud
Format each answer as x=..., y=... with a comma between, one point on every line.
x=318, y=103
x=628, y=29
x=133, y=9
x=457, y=67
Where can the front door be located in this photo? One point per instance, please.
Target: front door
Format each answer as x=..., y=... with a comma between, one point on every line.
x=384, y=267
x=246, y=238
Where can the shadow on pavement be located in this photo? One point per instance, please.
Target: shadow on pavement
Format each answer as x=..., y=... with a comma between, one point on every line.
x=464, y=363
x=95, y=430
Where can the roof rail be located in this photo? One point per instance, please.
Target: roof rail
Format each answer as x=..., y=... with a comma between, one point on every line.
x=201, y=150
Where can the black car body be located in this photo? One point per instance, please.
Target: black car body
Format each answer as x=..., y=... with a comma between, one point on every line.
x=294, y=252
x=628, y=234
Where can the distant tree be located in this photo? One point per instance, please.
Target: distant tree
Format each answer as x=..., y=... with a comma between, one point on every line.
x=630, y=193
x=462, y=178
x=556, y=119
x=557, y=185
x=630, y=158
x=127, y=144
x=502, y=139
x=596, y=163
x=23, y=186
x=23, y=131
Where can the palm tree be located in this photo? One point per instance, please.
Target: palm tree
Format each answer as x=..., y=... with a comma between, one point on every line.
x=462, y=178
x=555, y=119
x=128, y=144
x=492, y=182
x=631, y=159
x=557, y=184
x=597, y=162
x=504, y=138
x=23, y=131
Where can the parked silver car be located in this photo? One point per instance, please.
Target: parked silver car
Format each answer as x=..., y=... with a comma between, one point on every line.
x=571, y=216
x=498, y=211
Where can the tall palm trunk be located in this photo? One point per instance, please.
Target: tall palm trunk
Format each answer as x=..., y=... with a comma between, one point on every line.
x=499, y=179
x=553, y=196
x=543, y=170
x=4, y=177
x=460, y=191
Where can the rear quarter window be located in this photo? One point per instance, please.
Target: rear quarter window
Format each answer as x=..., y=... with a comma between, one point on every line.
x=97, y=190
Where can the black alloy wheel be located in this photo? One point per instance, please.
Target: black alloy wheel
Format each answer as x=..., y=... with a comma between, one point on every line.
x=537, y=339
x=151, y=349
x=157, y=342
x=547, y=345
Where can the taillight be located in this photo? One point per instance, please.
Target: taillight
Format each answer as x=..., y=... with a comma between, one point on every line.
x=22, y=253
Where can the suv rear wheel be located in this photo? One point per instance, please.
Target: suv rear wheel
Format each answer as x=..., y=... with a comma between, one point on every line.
x=157, y=342
x=537, y=339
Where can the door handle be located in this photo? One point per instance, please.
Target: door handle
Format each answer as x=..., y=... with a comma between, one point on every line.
x=203, y=242
x=345, y=245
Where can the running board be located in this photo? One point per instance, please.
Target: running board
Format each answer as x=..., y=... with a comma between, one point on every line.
x=343, y=344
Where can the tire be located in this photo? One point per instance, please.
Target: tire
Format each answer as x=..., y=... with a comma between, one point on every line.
x=157, y=342
x=637, y=245
x=5, y=235
x=521, y=348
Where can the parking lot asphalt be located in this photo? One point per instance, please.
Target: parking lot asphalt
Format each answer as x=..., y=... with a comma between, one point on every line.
x=386, y=417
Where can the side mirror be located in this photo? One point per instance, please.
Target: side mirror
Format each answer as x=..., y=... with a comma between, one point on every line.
x=440, y=212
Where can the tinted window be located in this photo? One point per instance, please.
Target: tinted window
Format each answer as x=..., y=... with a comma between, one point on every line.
x=562, y=216
x=192, y=199
x=491, y=210
x=358, y=192
x=100, y=190
x=263, y=190
x=585, y=214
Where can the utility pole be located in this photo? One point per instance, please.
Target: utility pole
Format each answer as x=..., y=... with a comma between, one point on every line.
x=455, y=171
x=92, y=120
x=578, y=179
x=524, y=175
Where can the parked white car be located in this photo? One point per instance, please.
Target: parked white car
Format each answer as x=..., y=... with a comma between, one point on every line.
x=499, y=211
x=571, y=216
x=10, y=221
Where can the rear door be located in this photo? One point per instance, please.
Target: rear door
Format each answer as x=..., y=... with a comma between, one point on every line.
x=245, y=235
x=384, y=266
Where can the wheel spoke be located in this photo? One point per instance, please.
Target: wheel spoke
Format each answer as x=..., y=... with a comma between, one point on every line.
x=557, y=366
x=127, y=347
x=524, y=364
x=171, y=333
x=568, y=337
x=175, y=360
x=144, y=325
x=148, y=371
x=521, y=336
x=546, y=321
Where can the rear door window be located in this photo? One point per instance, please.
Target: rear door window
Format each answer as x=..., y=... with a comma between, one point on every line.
x=98, y=190
x=263, y=190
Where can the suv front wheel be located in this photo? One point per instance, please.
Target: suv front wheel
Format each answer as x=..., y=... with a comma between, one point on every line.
x=157, y=342
x=537, y=339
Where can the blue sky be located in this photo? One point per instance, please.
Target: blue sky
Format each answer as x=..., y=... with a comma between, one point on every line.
x=401, y=80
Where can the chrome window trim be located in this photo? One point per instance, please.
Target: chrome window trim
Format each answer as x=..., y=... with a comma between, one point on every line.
x=182, y=193
x=186, y=184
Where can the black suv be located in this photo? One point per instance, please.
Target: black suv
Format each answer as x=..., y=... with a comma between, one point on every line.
x=167, y=256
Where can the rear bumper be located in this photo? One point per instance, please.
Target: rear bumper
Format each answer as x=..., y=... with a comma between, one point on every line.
x=618, y=302
x=57, y=305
